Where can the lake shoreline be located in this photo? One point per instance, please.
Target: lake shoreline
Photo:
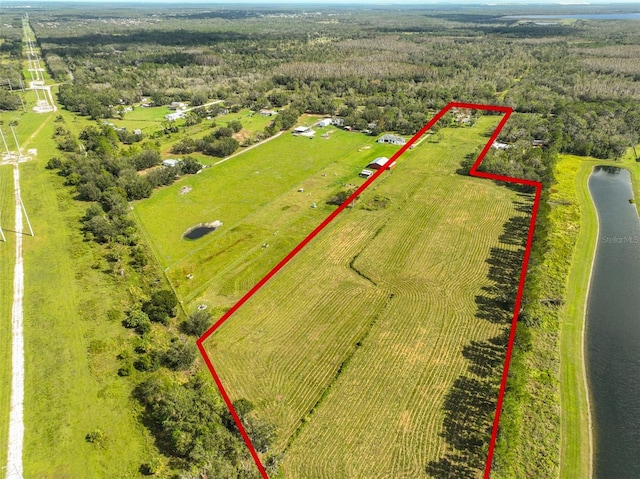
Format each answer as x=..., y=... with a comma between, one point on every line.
x=610, y=326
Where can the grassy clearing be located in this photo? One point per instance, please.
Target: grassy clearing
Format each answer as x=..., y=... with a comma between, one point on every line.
x=71, y=383
x=572, y=174
x=250, y=121
x=351, y=349
x=256, y=197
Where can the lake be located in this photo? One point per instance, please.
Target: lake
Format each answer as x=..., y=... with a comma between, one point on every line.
x=612, y=332
x=586, y=16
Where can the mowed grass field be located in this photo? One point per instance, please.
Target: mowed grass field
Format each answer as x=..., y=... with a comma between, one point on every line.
x=351, y=349
x=256, y=197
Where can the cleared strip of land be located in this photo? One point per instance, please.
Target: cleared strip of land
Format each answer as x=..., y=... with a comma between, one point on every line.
x=7, y=261
x=351, y=349
x=572, y=174
x=16, y=414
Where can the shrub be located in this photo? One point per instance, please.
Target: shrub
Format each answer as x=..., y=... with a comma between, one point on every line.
x=197, y=323
x=96, y=437
x=180, y=355
x=138, y=320
x=161, y=306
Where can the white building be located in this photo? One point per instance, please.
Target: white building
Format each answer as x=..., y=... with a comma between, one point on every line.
x=171, y=162
x=391, y=139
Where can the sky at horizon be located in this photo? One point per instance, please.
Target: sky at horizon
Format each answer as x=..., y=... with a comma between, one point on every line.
x=558, y=3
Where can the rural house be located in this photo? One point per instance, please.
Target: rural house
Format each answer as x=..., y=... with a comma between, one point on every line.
x=391, y=139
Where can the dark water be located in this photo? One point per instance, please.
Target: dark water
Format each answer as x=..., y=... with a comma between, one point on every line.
x=586, y=16
x=613, y=328
x=199, y=232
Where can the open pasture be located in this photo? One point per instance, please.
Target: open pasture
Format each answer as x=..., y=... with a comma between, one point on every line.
x=352, y=348
x=256, y=197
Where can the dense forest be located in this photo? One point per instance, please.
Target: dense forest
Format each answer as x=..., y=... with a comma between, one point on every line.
x=574, y=86
x=580, y=79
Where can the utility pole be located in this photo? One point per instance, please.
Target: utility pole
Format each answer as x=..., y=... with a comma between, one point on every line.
x=4, y=141
x=2, y=233
x=15, y=137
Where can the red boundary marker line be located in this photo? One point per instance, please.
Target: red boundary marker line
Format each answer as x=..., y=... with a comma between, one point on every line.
x=516, y=310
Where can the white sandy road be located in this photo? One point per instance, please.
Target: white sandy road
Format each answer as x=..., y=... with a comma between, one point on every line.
x=16, y=424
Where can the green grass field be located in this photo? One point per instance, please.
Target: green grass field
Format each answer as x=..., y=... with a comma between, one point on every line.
x=256, y=196
x=572, y=174
x=250, y=121
x=351, y=349
x=71, y=383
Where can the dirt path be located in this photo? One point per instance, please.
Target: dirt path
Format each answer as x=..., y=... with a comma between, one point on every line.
x=35, y=133
x=16, y=424
x=250, y=148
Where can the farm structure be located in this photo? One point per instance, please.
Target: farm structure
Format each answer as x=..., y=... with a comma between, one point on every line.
x=324, y=122
x=265, y=112
x=500, y=146
x=303, y=131
x=380, y=162
x=174, y=116
x=365, y=173
x=392, y=139
x=171, y=162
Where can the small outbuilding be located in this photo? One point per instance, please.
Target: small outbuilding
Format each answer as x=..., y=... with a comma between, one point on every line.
x=265, y=112
x=174, y=116
x=380, y=162
x=500, y=146
x=365, y=173
x=391, y=139
x=171, y=162
x=304, y=131
x=324, y=122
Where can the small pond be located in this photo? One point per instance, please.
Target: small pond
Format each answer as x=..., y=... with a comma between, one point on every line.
x=200, y=230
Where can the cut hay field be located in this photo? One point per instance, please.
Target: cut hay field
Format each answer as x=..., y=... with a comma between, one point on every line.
x=352, y=348
x=256, y=197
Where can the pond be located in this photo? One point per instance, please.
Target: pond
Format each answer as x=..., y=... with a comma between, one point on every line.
x=612, y=346
x=200, y=230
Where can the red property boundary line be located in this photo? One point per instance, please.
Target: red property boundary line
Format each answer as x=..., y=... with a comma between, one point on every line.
x=473, y=172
